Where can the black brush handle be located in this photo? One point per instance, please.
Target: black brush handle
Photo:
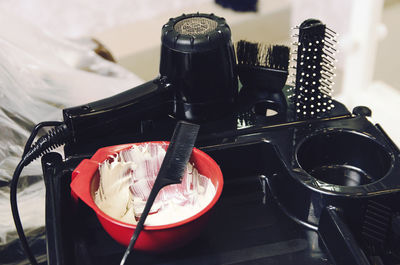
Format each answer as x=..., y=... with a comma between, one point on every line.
x=171, y=171
x=262, y=78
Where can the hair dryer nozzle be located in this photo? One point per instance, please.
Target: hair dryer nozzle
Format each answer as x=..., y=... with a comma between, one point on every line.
x=198, y=58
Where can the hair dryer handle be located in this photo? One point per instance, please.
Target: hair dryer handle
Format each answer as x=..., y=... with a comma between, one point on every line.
x=121, y=112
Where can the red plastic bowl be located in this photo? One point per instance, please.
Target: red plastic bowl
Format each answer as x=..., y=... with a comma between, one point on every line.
x=85, y=181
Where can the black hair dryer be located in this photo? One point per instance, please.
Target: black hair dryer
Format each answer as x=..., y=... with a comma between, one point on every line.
x=197, y=82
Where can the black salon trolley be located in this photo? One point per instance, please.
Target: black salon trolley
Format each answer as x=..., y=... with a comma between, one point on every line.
x=245, y=228
x=263, y=216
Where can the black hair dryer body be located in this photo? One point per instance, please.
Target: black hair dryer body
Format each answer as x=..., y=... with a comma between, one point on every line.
x=197, y=82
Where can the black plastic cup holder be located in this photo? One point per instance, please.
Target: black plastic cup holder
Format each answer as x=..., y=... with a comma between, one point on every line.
x=344, y=158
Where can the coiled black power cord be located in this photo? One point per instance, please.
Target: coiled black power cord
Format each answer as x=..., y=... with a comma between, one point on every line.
x=36, y=130
x=53, y=139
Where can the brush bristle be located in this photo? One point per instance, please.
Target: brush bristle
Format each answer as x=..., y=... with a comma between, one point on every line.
x=247, y=53
x=263, y=55
x=314, y=70
x=277, y=57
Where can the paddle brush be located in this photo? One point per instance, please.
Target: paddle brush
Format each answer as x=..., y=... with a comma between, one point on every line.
x=262, y=70
x=261, y=66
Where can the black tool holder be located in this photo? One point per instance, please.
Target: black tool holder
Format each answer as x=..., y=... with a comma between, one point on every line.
x=316, y=191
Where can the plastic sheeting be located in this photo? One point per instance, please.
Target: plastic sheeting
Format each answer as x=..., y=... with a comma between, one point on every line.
x=39, y=76
x=77, y=18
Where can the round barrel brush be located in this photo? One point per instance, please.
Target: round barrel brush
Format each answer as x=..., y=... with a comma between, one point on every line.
x=314, y=66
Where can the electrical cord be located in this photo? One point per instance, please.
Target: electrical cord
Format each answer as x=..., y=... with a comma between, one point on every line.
x=35, y=132
x=53, y=139
x=14, y=209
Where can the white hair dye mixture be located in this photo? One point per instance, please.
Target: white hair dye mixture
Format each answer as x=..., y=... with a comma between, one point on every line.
x=126, y=181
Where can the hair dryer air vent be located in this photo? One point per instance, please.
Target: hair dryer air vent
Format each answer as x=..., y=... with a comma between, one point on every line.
x=195, y=26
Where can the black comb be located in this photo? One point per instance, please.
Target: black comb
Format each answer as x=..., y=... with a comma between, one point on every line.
x=171, y=170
